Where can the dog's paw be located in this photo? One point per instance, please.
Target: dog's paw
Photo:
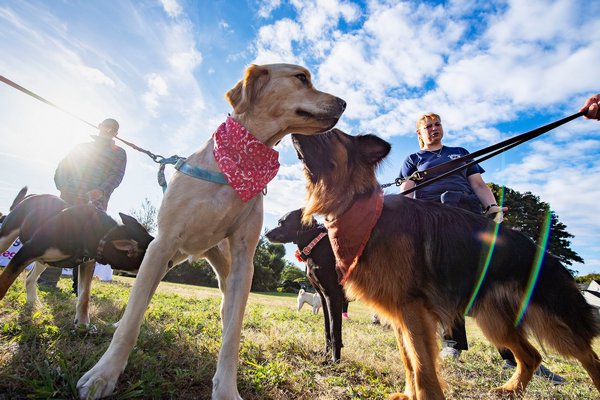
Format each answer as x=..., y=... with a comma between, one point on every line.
x=95, y=384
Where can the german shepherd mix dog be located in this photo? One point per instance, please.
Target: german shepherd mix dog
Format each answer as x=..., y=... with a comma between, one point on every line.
x=320, y=270
x=202, y=218
x=422, y=263
x=54, y=234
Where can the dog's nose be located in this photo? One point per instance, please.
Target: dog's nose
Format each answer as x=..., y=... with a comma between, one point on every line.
x=341, y=103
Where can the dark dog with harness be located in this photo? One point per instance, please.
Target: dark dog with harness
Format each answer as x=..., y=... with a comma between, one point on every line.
x=419, y=263
x=60, y=236
x=315, y=250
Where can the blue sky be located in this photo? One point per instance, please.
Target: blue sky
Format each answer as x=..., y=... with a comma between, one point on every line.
x=491, y=69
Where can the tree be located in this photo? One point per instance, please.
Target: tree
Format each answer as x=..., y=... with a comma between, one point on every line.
x=526, y=213
x=292, y=279
x=268, y=264
x=146, y=215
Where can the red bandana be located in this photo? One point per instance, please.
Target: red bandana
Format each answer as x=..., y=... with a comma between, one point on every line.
x=247, y=163
x=350, y=232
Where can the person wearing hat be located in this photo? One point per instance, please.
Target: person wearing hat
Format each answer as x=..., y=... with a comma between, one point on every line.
x=88, y=175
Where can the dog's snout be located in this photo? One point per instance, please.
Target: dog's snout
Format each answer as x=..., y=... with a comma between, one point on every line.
x=341, y=103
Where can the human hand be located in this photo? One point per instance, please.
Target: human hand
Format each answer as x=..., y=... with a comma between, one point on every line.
x=592, y=107
x=496, y=213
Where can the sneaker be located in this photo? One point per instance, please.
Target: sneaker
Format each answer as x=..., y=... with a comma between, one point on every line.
x=345, y=315
x=541, y=372
x=545, y=373
x=448, y=350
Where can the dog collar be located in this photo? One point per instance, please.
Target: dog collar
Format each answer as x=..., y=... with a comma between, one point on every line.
x=307, y=250
x=247, y=163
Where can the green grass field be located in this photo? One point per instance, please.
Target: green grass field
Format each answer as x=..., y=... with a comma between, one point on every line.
x=42, y=355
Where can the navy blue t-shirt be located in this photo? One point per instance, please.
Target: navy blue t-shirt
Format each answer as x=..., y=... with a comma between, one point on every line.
x=423, y=159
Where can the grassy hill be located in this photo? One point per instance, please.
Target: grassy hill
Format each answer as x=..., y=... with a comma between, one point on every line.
x=42, y=355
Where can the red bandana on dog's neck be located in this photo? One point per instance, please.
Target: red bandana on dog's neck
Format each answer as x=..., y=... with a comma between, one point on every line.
x=350, y=232
x=247, y=163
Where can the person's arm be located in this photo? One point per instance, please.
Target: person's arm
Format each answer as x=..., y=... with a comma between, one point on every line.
x=407, y=169
x=408, y=185
x=486, y=197
x=592, y=105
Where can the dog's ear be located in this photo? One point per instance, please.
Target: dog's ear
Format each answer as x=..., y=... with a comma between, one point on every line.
x=247, y=90
x=133, y=224
x=128, y=245
x=373, y=148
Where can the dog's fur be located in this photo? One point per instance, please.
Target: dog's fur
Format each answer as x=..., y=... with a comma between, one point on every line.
x=313, y=299
x=422, y=263
x=320, y=270
x=198, y=218
x=56, y=235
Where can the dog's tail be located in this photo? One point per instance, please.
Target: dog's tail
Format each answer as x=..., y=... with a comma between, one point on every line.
x=564, y=319
x=20, y=196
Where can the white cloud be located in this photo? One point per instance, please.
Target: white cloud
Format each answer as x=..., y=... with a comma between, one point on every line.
x=172, y=7
x=266, y=7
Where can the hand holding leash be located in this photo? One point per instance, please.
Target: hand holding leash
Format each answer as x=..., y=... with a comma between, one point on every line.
x=592, y=107
x=495, y=212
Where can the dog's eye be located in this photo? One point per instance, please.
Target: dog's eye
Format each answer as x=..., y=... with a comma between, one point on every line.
x=302, y=78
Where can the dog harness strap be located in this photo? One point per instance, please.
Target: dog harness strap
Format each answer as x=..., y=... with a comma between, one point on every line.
x=247, y=163
x=195, y=172
x=306, y=251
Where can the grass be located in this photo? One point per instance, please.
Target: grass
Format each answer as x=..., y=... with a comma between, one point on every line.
x=42, y=355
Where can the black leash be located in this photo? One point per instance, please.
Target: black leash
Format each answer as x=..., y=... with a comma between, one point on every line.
x=493, y=150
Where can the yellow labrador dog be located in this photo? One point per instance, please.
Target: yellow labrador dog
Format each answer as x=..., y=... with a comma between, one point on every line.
x=198, y=218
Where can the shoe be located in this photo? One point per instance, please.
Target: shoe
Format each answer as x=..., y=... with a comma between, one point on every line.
x=448, y=350
x=541, y=372
x=345, y=315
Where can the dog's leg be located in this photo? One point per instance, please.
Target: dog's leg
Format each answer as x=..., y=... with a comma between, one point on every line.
x=335, y=305
x=409, y=373
x=25, y=256
x=327, y=321
x=418, y=327
x=8, y=238
x=100, y=381
x=503, y=334
x=237, y=288
x=31, y=284
x=84, y=287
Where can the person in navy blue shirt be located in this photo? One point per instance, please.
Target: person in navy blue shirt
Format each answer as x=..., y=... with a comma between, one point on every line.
x=467, y=190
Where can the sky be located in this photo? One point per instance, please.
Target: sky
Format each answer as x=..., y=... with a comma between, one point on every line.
x=491, y=69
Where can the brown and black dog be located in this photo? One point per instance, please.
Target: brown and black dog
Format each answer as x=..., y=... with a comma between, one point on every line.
x=55, y=234
x=423, y=261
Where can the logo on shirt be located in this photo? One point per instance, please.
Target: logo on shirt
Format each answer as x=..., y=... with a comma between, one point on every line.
x=454, y=156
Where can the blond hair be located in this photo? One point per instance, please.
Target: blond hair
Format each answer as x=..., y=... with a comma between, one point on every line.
x=421, y=119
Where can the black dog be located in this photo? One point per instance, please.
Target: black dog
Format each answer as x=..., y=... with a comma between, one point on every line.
x=320, y=265
x=66, y=239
